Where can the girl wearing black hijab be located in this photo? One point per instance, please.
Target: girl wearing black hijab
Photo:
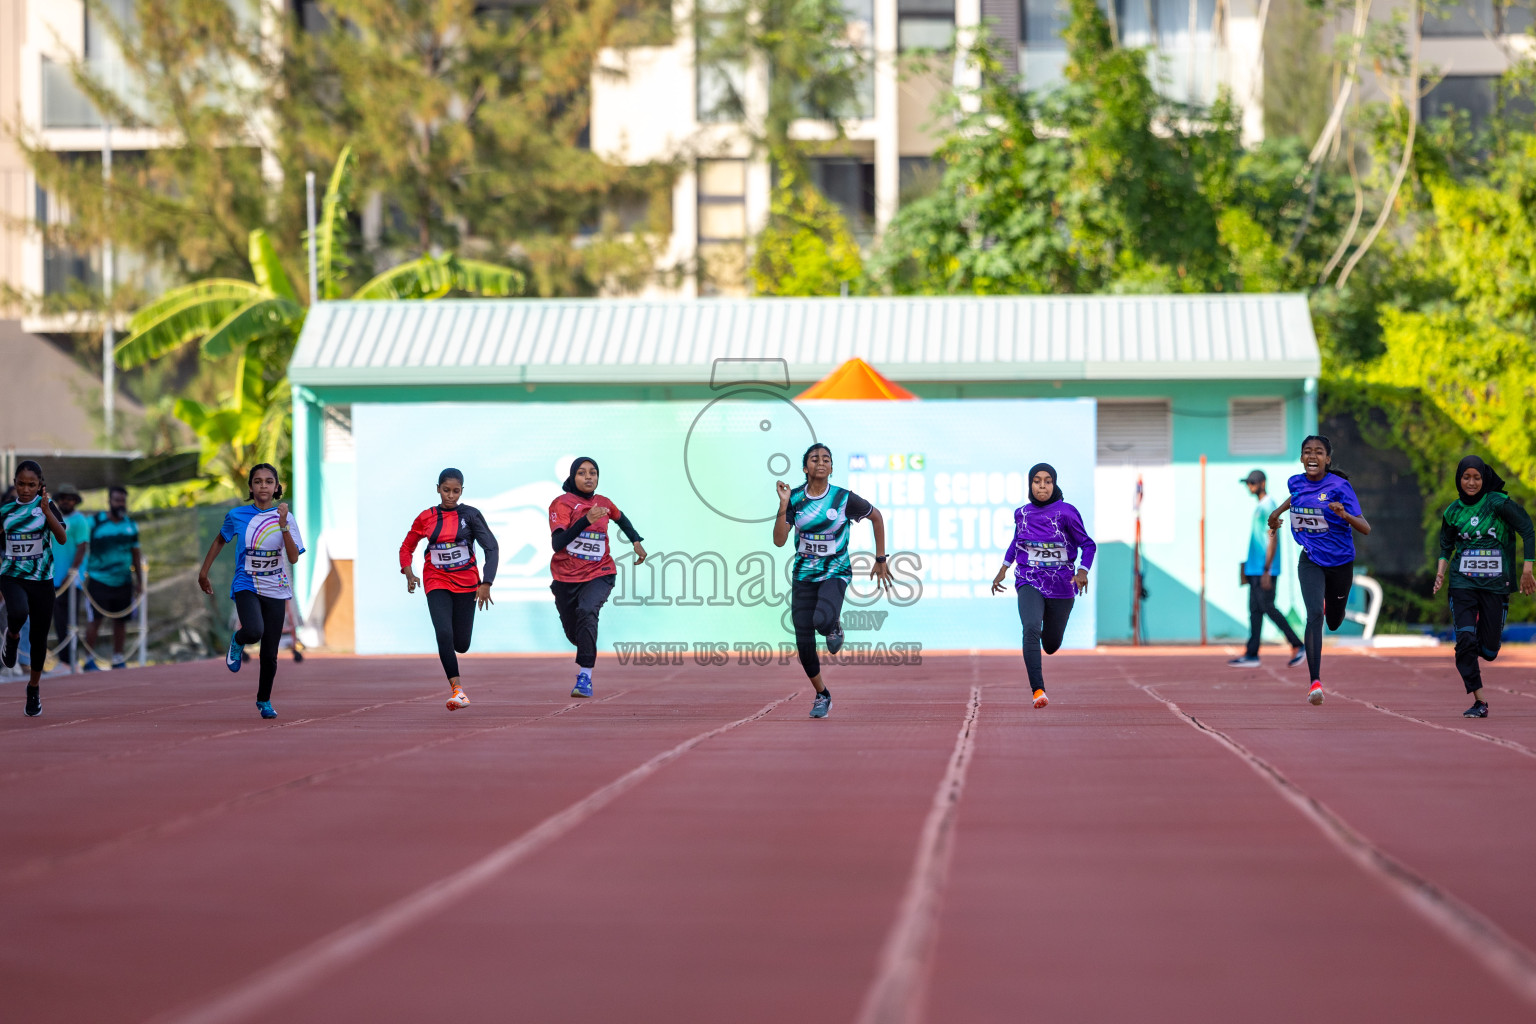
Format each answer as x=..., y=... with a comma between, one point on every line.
x=1477, y=541
x=582, y=566
x=1048, y=534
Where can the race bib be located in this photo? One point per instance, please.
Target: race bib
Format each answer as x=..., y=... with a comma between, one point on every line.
x=589, y=546
x=1308, y=520
x=1482, y=563
x=817, y=545
x=24, y=547
x=1049, y=554
x=450, y=556
x=263, y=563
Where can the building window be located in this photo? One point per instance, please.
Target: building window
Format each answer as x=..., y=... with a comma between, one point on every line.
x=925, y=25
x=1463, y=18
x=1256, y=426
x=1041, y=23
x=850, y=183
x=1135, y=433
x=1472, y=95
x=722, y=226
x=336, y=443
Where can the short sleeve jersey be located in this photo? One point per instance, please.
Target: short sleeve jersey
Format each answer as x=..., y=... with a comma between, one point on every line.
x=821, y=532
x=111, y=553
x=77, y=532
x=1326, y=538
x=1258, y=540
x=27, y=551
x=261, y=564
x=587, y=556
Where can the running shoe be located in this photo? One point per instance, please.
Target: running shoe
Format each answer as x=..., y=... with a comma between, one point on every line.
x=90, y=666
x=265, y=707
x=1297, y=658
x=119, y=663
x=1478, y=710
x=1041, y=700
x=835, y=638
x=821, y=705
x=1246, y=661
x=12, y=645
x=1315, y=695
x=583, y=687
x=236, y=652
x=34, y=702
x=458, y=700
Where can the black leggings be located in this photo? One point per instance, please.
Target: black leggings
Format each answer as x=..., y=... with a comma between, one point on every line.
x=1325, y=592
x=1045, y=622
x=578, y=605
x=453, y=620
x=1479, y=619
x=29, y=599
x=815, y=607
x=262, y=618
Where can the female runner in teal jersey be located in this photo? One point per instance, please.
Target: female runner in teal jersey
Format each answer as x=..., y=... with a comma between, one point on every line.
x=821, y=516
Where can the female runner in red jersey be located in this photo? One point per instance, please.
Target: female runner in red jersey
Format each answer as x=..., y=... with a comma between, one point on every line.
x=454, y=584
x=582, y=566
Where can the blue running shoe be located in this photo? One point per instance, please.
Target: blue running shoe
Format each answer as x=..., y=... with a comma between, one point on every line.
x=91, y=666
x=583, y=687
x=232, y=659
x=821, y=705
x=835, y=638
x=265, y=707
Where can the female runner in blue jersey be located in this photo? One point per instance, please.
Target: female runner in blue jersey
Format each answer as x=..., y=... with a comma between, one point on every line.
x=266, y=543
x=822, y=516
x=1324, y=515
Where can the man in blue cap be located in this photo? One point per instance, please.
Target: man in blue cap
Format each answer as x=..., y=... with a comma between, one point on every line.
x=1259, y=571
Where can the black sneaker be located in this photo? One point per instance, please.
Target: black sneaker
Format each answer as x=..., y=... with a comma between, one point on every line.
x=835, y=638
x=12, y=646
x=34, y=702
x=1478, y=710
x=821, y=705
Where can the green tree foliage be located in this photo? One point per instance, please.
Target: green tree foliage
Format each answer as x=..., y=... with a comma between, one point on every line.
x=254, y=324
x=1104, y=186
x=806, y=249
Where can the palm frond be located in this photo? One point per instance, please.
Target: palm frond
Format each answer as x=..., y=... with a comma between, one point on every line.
x=331, y=259
x=432, y=277
x=267, y=268
x=254, y=322
x=182, y=315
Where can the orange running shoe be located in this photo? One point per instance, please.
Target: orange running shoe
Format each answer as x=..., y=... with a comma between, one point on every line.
x=1041, y=700
x=458, y=700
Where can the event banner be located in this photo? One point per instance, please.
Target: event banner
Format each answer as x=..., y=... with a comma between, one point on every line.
x=697, y=480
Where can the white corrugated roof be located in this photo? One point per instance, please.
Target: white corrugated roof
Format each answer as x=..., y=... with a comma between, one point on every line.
x=490, y=341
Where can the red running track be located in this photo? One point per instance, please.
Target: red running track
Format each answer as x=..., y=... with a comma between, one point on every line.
x=1171, y=840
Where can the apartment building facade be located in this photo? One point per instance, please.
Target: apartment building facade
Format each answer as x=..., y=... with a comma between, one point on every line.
x=657, y=103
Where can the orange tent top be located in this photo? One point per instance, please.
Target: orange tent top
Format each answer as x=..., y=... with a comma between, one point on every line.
x=856, y=380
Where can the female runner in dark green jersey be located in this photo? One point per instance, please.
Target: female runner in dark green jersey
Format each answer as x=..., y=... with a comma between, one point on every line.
x=1477, y=542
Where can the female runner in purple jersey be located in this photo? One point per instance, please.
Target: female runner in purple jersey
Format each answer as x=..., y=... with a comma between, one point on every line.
x=1325, y=516
x=1048, y=534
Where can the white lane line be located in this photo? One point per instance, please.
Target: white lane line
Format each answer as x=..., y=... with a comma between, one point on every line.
x=899, y=991
x=1498, y=741
x=298, y=971
x=1484, y=941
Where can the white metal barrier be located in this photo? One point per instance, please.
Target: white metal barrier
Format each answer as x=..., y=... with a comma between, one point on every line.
x=1367, y=618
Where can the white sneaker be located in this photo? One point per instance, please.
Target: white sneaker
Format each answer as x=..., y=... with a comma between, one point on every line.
x=458, y=700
